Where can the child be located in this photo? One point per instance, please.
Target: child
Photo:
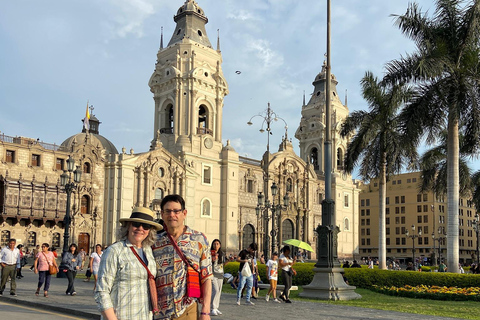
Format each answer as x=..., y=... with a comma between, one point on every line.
x=272, y=275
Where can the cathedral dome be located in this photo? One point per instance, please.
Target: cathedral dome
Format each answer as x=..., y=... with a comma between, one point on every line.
x=92, y=139
x=191, y=6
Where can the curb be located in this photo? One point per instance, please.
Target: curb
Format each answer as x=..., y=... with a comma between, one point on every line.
x=60, y=309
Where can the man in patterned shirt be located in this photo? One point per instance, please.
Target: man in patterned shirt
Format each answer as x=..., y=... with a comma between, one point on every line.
x=171, y=280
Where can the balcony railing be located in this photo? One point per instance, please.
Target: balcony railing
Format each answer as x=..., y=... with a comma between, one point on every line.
x=166, y=130
x=204, y=131
x=30, y=141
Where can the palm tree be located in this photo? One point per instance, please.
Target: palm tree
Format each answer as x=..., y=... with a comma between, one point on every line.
x=378, y=144
x=445, y=71
x=433, y=165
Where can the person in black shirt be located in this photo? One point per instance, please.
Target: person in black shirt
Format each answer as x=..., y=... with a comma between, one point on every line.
x=355, y=264
x=246, y=257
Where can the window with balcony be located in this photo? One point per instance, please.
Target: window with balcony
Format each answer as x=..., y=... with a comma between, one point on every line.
x=10, y=156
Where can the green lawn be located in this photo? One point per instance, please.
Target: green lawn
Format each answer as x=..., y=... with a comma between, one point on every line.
x=370, y=299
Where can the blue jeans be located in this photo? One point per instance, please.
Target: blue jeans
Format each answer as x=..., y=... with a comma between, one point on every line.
x=241, y=284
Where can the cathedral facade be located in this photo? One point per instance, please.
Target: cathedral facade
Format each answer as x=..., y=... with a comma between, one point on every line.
x=187, y=156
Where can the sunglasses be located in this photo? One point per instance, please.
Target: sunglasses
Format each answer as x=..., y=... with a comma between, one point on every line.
x=145, y=226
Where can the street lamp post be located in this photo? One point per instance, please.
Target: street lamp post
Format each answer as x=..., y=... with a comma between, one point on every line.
x=269, y=116
x=69, y=185
x=440, y=239
x=476, y=227
x=414, y=236
x=433, y=236
x=262, y=210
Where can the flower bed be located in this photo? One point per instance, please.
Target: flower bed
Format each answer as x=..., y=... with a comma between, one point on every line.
x=431, y=292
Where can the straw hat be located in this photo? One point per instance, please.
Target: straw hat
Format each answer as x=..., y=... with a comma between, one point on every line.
x=142, y=215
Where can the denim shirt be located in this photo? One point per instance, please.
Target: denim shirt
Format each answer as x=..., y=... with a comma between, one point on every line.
x=72, y=265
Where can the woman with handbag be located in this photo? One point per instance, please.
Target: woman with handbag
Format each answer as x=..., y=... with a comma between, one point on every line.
x=44, y=263
x=71, y=259
x=126, y=287
x=286, y=263
x=218, y=261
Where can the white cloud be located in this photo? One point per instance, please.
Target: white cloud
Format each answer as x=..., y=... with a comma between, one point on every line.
x=242, y=15
x=263, y=51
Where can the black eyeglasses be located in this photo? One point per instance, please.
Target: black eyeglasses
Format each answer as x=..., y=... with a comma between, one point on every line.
x=145, y=226
x=174, y=211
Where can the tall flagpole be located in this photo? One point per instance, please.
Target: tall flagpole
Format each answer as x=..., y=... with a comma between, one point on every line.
x=328, y=283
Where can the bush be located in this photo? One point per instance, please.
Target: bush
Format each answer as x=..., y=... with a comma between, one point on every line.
x=367, y=278
x=304, y=272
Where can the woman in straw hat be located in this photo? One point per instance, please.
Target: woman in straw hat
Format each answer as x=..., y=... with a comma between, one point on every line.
x=127, y=270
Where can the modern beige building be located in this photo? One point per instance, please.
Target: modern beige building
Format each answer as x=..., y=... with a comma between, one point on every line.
x=406, y=207
x=187, y=156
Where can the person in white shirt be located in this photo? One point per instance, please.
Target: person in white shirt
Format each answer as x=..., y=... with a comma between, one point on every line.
x=10, y=261
x=95, y=262
x=272, y=275
x=286, y=263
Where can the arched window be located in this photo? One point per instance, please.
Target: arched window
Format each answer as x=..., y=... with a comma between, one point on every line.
x=169, y=109
x=86, y=167
x=32, y=239
x=206, y=208
x=287, y=229
x=248, y=235
x=346, y=224
x=85, y=205
x=203, y=123
x=339, y=159
x=5, y=238
x=314, y=158
x=56, y=240
x=289, y=185
x=159, y=193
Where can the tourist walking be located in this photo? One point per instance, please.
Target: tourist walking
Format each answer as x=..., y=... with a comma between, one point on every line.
x=43, y=261
x=218, y=261
x=183, y=258
x=272, y=276
x=35, y=251
x=126, y=288
x=245, y=257
x=23, y=261
x=82, y=254
x=10, y=261
x=95, y=262
x=286, y=264
x=71, y=259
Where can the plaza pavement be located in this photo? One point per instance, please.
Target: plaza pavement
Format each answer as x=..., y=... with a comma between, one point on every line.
x=83, y=304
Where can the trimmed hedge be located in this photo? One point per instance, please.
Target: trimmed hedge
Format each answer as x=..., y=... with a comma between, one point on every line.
x=304, y=272
x=366, y=278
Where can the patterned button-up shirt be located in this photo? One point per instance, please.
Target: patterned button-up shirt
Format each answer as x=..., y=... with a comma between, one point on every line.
x=123, y=282
x=172, y=272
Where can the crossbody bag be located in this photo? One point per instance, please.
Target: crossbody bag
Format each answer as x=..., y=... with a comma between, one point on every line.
x=193, y=275
x=152, y=287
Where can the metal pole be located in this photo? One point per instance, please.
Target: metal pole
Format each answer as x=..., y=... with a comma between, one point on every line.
x=274, y=231
x=414, y=264
x=478, y=250
x=67, y=219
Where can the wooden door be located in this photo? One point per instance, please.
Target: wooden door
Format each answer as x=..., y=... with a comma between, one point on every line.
x=84, y=242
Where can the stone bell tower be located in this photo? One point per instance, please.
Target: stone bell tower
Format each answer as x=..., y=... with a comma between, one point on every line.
x=311, y=131
x=189, y=86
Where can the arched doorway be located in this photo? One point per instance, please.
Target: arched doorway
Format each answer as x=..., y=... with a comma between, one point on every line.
x=84, y=242
x=248, y=236
x=287, y=229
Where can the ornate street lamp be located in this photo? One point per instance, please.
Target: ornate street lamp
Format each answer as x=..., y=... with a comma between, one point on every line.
x=69, y=185
x=262, y=211
x=476, y=227
x=414, y=236
x=268, y=116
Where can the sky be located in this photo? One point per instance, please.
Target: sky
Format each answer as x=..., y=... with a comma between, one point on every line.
x=56, y=55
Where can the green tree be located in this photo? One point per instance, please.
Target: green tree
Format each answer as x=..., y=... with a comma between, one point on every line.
x=433, y=165
x=377, y=143
x=445, y=71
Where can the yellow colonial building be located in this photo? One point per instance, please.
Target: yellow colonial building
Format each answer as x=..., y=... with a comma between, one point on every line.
x=406, y=207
